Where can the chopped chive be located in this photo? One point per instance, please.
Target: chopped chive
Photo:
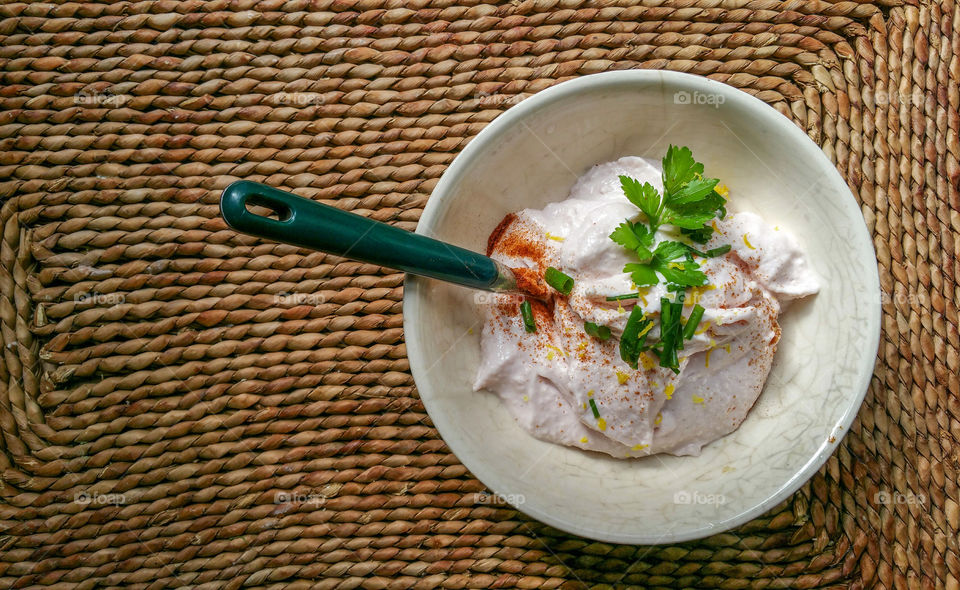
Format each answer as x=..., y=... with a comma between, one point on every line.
x=526, y=310
x=678, y=317
x=693, y=321
x=593, y=407
x=634, y=336
x=623, y=297
x=678, y=325
x=561, y=282
x=669, y=321
x=601, y=332
x=673, y=287
x=711, y=253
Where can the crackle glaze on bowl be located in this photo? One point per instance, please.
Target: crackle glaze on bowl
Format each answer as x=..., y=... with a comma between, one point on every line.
x=530, y=156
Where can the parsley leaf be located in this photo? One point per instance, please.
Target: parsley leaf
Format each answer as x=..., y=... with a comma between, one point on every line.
x=644, y=196
x=634, y=236
x=667, y=251
x=641, y=273
x=679, y=168
x=693, y=214
x=686, y=273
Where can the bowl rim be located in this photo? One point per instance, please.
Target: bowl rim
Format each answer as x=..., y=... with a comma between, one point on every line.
x=435, y=207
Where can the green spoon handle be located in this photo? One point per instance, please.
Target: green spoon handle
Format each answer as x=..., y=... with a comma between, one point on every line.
x=302, y=222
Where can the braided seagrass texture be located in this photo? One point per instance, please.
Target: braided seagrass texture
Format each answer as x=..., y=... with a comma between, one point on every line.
x=182, y=406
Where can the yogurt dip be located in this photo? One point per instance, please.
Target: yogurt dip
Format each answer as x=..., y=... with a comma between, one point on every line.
x=557, y=380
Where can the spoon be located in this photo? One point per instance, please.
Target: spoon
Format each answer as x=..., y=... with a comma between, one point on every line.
x=302, y=222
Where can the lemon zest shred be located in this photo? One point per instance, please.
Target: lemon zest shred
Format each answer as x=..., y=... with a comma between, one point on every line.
x=582, y=345
x=583, y=440
x=697, y=399
x=639, y=447
x=644, y=331
x=646, y=361
x=727, y=347
x=555, y=238
x=668, y=390
x=658, y=419
x=550, y=356
x=558, y=350
x=622, y=377
x=590, y=393
x=526, y=398
x=747, y=242
x=715, y=228
x=703, y=328
x=601, y=424
x=707, y=358
x=722, y=190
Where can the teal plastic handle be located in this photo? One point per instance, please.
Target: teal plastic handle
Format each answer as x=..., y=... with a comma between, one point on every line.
x=313, y=225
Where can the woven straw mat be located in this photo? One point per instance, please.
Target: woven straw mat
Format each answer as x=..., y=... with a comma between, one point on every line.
x=158, y=393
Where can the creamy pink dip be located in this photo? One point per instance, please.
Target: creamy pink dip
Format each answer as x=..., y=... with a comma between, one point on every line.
x=547, y=378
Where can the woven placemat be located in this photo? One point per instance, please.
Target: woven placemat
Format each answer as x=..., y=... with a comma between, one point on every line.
x=182, y=406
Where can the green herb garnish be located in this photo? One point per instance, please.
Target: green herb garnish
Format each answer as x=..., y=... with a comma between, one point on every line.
x=594, y=409
x=634, y=336
x=623, y=297
x=561, y=282
x=597, y=331
x=634, y=236
x=685, y=272
x=689, y=202
x=670, y=336
x=526, y=311
x=691, y=327
x=711, y=253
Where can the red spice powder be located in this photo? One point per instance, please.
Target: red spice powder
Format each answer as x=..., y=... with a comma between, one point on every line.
x=529, y=281
x=498, y=232
x=517, y=241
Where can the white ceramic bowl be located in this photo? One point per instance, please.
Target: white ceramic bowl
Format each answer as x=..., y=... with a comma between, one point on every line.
x=530, y=156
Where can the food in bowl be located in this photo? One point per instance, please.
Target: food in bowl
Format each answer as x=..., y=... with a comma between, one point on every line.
x=653, y=317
